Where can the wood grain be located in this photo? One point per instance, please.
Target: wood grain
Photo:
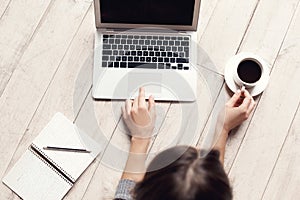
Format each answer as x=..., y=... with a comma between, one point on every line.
x=17, y=107
x=17, y=27
x=284, y=181
x=270, y=124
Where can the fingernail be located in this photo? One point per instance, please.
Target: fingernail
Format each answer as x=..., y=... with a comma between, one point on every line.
x=238, y=91
x=243, y=88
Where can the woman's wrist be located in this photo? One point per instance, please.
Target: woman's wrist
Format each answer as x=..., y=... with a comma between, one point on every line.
x=139, y=145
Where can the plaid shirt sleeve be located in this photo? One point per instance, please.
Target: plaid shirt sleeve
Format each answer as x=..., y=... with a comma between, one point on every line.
x=124, y=188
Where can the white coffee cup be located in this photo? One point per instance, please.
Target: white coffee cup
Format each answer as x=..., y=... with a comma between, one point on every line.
x=248, y=71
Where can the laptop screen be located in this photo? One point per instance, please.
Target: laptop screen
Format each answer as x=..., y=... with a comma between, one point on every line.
x=148, y=12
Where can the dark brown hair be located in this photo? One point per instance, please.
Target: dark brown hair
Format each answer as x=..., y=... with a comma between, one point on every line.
x=185, y=176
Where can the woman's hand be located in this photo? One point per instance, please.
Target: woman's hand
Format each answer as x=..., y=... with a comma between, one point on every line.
x=140, y=117
x=238, y=109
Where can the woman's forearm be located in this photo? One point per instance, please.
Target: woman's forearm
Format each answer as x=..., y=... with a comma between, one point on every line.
x=135, y=165
x=221, y=143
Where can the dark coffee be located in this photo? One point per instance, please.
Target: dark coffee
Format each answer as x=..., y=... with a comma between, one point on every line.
x=249, y=71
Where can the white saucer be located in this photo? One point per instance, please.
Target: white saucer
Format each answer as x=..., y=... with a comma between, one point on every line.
x=231, y=66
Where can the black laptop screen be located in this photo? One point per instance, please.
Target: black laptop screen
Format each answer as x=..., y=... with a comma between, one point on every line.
x=160, y=12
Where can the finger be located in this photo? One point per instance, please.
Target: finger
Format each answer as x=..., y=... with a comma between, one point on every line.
x=141, y=98
x=135, y=104
x=247, y=94
x=232, y=101
x=128, y=106
x=151, y=103
x=246, y=103
x=251, y=107
x=124, y=112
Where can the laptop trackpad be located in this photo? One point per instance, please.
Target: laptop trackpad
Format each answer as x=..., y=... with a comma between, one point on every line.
x=150, y=81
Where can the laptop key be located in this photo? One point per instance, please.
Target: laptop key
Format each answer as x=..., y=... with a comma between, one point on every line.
x=104, y=64
x=133, y=53
x=172, y=60
x=116, y=64
x=186, y=68
x=145, y=53
x=154, y=59
x=151, y=53
x=181, y=60
x=160, y=66
x=180, y=66
x=123, y=65
x=107, y=52
x=168, y=65
x=184, y=43
x=111, y=41
x=105, y=58
x=160, y=59
x=142, y=65
x=124, y=58
x=130, y=58
x=136, y=58
x=142, y=59
x=139, y=53
x=148, y=59
x=132, y=47
x=110, y=64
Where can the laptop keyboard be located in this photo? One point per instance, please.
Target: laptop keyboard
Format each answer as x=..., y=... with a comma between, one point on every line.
x=146, y=51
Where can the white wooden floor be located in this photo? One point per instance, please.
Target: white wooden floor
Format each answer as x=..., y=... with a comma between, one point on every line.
x=46, y=58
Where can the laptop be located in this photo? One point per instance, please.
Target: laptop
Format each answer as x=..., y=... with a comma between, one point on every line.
x=145, y=43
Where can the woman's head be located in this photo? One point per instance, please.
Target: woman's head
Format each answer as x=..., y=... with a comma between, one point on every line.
x=180, y=173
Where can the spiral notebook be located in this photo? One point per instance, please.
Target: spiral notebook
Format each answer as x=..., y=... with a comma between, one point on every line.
x=50, y=174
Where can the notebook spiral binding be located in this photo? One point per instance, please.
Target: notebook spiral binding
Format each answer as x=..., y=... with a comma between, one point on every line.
x=54, y=163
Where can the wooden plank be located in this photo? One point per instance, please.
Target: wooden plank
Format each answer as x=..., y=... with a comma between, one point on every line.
x=285, y=178
x=3, y=6
x=271, y=122
x=206, y=11
x=226, y=29
x=75, y=71
x=97, y=118
x=265, y=42
x=38, y=65
x=17, y=27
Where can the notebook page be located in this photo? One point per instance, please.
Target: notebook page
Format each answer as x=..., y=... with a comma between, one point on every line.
x=61, y=132
x=32, y=179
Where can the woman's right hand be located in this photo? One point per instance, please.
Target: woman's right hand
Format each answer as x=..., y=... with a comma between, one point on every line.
x=238, y=109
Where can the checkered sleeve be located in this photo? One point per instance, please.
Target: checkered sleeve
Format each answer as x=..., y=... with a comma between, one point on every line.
x=124, y=188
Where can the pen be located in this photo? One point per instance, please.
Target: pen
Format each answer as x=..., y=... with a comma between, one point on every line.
x=66, y=149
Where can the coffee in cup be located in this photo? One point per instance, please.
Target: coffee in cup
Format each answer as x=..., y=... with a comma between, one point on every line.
x=248, y=72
